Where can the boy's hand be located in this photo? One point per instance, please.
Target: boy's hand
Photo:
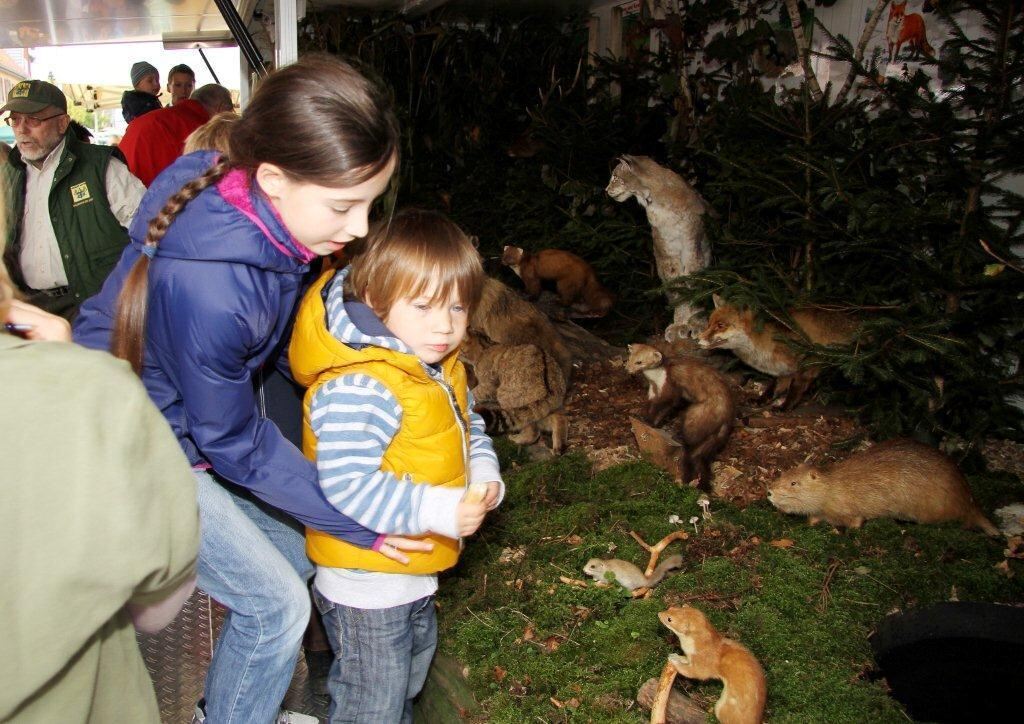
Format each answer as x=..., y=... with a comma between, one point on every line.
x=469, y=516
x=491, y=499
x=42, y=326
x=393, y=546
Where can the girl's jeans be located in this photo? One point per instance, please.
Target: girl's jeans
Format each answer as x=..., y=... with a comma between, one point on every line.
x=252, y=560
x=381, y=658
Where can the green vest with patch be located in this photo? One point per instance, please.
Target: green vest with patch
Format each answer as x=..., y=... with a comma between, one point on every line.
x=90, y=237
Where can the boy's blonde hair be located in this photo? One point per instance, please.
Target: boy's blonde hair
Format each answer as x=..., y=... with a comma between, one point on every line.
x=214, y=135
x=402, y=257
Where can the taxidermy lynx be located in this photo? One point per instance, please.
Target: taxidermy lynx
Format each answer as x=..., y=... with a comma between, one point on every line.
x=523, y=385
x=909, y=29
x=710, y=411
x=503, y=317
x=573, y=276
x=676, y=214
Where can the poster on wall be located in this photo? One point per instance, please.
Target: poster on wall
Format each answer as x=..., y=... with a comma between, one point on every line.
x=636, y=38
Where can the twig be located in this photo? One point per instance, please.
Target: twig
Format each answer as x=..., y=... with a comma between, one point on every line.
x=826, y=594
x=659, y=706
x=988, y=250
x=656, y=549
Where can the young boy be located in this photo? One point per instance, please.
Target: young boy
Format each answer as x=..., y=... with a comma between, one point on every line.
x=389, y=421
x=144, y=94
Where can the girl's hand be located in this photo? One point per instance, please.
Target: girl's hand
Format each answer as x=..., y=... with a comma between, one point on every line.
x=491, y=499
x=45, y=327
x=393, y=546
x=469, y=516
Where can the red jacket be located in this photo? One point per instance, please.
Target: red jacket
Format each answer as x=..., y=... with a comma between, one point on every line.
x=155, y=139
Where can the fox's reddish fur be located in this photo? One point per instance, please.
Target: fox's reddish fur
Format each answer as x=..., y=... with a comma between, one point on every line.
x=710, y=413
x=765, y=349
x=910, y=29
x=574, y=278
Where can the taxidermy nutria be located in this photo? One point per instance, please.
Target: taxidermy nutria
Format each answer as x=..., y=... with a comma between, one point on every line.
x=628, y=575
x=574, y=278
x=900, y=478
x=675, y=212
x=709, y=655
x=503, y=317
x=765, y=348
x=523, y=385
x=711, y=411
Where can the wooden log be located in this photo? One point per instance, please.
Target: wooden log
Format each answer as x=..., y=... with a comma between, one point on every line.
x=680, y=709
x=659, y=447
x=446, y=696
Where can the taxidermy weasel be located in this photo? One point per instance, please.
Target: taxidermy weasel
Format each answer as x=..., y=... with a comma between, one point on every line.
x=710, y=413
x=574, y=278
x=900, y=478
x=709, y=655
x=523, y=386
x=628, y=575
x=765, y=349
x=675, y=212
x=503, y=317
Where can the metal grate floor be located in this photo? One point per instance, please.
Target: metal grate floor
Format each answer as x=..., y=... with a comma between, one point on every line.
x=177, y=658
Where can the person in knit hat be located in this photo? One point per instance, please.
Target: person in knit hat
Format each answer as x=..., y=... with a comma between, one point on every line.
x=145, y=91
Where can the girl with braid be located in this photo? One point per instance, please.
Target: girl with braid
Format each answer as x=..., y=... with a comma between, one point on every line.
x=204, y=297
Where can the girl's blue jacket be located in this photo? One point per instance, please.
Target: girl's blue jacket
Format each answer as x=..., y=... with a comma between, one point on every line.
x=221, y=301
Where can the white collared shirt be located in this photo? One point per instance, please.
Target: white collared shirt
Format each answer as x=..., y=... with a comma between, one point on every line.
x=41, y=263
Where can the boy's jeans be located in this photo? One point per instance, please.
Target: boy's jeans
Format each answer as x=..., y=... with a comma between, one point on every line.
x=381, y=658
x=254, y=563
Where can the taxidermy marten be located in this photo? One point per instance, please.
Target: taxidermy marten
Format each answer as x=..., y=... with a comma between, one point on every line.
x=523, y=386
x=503, y=317
x=709, y=655
x=708, y=419
x=574, y=279
x=765, y=349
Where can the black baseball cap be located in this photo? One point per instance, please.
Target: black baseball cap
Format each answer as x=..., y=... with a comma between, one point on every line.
x=32, y=96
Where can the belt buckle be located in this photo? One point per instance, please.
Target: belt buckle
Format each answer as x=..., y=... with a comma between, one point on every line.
x=56, y=291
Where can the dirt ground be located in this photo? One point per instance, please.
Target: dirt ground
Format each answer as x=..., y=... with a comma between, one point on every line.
x=764, y=443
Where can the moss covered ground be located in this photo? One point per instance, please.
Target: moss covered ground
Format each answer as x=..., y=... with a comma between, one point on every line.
x=803, y=599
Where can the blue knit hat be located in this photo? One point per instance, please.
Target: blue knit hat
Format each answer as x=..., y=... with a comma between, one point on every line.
x=140, y=70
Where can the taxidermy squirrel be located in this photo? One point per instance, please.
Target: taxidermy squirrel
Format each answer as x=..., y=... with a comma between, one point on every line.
x=574, y=278
x=765, y=349
x=675, y=212
x=629, y=575
x=503, y=317
x=711, y=411
x=709, y=655
x=522, y=385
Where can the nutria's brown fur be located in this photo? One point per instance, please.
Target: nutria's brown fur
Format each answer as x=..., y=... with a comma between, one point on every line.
x=900, y=478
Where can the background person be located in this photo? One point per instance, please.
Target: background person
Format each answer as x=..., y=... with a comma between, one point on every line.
x=145, y=93
x=202, y=300
x=152, y=142
x=54, y=181
x=181, y=81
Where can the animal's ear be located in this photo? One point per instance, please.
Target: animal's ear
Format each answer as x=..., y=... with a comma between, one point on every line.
x=630, y=347
x=719, y=302
x=475, y=241
x=627, y=159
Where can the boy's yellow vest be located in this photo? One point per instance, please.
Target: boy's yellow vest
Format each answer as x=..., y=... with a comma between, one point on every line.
x=431, y=446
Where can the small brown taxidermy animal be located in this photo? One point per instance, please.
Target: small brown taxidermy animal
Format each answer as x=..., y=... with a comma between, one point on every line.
x=765, y=349
x=574, y=278
x=709, y=655
x=523, y=385
x=711, y=412
x=628, y=575
x=899, y=478
x=503, y=317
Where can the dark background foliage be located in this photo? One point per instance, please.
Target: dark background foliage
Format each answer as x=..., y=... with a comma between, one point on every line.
x=877, y=202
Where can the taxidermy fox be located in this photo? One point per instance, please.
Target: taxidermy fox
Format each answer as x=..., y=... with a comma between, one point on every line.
x=574, y=278
x=765, y=350
x=710, y=414
x=523, y=386
x=910, y=29
x=675, y=212
x=503, y=317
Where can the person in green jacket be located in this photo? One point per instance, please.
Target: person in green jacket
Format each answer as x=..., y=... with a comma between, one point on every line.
x=68, y=203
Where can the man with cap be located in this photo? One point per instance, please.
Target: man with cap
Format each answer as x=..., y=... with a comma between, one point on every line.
x=181, y=81
x=152, y=142
x=68, y=202
x=144, y=94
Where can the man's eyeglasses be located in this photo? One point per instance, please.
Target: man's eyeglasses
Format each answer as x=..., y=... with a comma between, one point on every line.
x=29, y=121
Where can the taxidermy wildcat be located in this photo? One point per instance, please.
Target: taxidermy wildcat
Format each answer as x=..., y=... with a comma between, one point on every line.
x=522, y=385
x=675, y=212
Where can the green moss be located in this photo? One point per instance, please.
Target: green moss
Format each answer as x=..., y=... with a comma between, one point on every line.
x=805, y=610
